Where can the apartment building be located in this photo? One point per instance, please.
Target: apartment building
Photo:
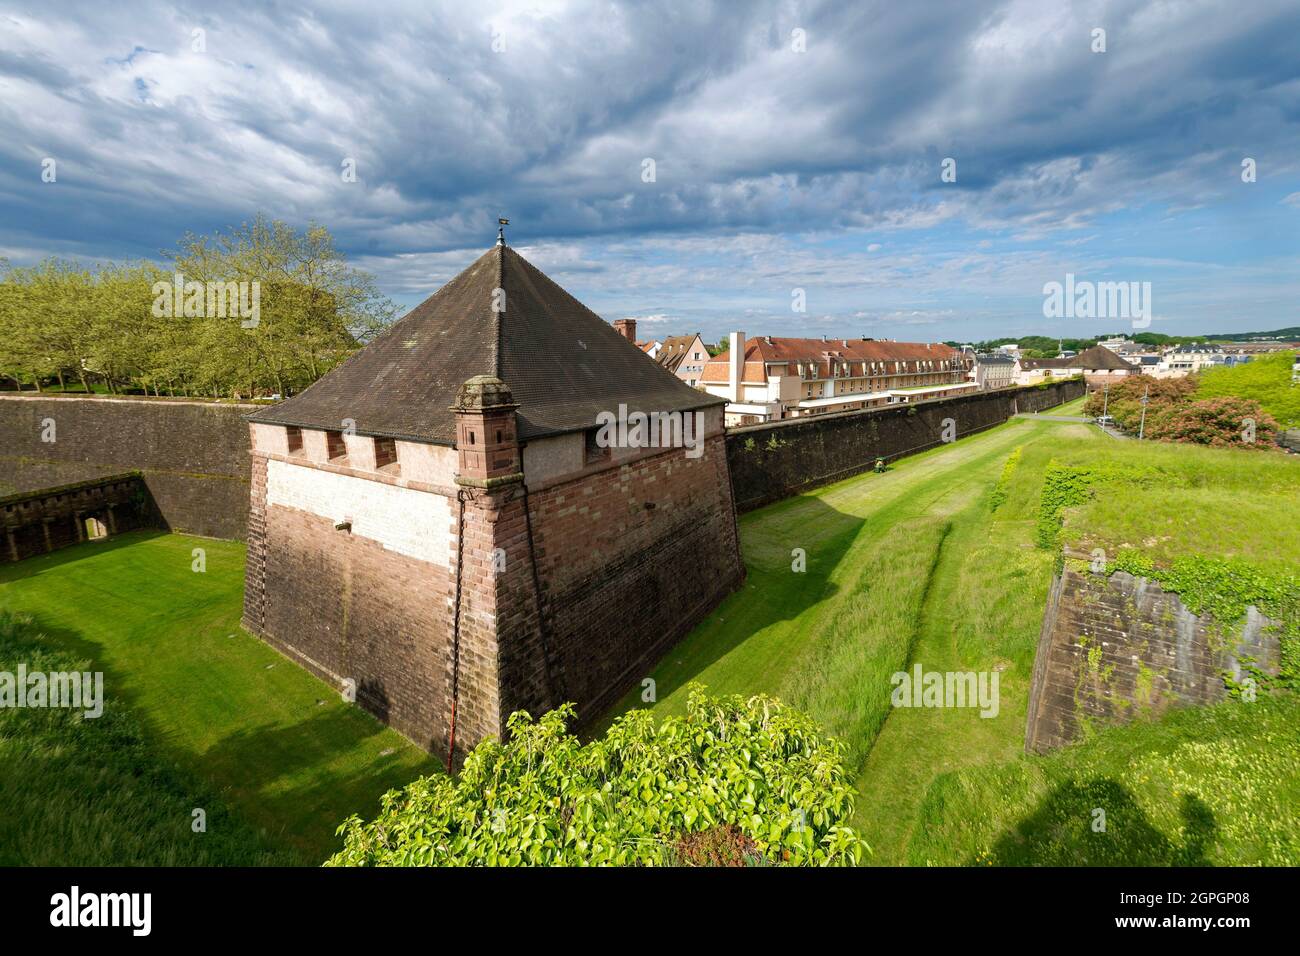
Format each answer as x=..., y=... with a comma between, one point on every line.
x=768, y=378
x=685, y=356
x=993, y=370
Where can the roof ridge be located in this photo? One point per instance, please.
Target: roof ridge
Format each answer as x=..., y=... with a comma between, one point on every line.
x=499, y=313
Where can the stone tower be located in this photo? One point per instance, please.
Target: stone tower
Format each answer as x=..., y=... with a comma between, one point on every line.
x=439, y=525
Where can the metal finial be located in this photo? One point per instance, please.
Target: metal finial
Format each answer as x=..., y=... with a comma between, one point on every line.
x=501, y=231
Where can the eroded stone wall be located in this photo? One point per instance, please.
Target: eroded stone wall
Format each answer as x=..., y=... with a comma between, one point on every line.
x=1116, y=647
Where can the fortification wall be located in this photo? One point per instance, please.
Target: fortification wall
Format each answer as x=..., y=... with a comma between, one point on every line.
x=192, y=456
x=773, y=461
x=629, y=561
x=1116, y=647
x=37, y=522
x=347, y=603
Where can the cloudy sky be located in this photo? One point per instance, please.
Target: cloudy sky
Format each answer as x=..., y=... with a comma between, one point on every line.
x=690, y=164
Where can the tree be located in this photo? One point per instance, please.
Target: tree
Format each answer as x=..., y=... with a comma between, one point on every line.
x=119, y=325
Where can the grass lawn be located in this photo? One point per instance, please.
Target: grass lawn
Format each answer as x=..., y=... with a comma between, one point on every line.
x=902, y=567
x=847, y=584
x=274, y=743
x=917, y=566
x=1216, y=786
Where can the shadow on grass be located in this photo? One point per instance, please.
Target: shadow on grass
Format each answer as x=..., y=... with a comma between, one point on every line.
x=296, y=781
x=1060, y=832
x=279, y=779
x=772, y=593
x=42, y=563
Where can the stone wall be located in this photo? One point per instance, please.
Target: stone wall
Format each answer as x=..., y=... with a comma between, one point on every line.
x=192, y=456
x=37, y=522
x=1116, y=647
x=630, y=560
x=773, y=461
x=195, y=460
x=568, y=593
x=350, y=609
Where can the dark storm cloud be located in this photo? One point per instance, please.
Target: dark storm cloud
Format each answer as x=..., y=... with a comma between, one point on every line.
x=547, y=112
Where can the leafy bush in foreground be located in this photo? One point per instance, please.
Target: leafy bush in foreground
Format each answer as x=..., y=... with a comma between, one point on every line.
x=633, y=797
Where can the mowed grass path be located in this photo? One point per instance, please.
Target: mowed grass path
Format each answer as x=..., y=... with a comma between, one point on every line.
x=279, y=745
x=906, y=567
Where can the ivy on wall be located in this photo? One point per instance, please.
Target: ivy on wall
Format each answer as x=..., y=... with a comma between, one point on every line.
x=1222, y=589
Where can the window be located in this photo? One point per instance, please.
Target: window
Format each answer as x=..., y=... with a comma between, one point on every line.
x=594, y=451
x=334, y=446
x=385, y=452
x=295, y=440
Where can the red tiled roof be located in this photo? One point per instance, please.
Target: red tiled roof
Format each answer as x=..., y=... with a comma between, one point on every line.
x=761, y=351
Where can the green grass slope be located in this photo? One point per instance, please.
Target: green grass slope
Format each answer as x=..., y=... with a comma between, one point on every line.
x=274, y=743
x=78, y=791
x=1202, y=786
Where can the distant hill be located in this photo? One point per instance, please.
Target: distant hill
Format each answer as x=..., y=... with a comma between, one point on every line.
x=1282, y=335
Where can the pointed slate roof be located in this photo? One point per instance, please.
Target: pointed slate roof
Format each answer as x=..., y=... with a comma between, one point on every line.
x=562, y=362
x=1099, y=357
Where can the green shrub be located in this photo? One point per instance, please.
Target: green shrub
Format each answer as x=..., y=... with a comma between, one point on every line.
x=999, y=495
x=631, y=797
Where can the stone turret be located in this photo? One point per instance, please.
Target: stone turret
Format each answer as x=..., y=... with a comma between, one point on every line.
x=487, y=446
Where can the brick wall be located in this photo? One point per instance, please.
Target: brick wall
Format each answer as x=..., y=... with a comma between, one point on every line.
x=345, y=607
x=773, y=461
x=1118, y=647
x=193, y=456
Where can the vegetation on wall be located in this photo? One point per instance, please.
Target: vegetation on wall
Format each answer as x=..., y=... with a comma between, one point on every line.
x=118, y=328
x=1223, y=589
x=633, y=797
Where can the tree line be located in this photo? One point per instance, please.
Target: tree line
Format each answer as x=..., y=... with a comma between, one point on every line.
x=263, y=309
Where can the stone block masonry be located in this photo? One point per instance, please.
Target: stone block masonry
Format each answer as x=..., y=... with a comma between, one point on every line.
x=1116, y=647
x=570, y=592
x=630, y=560
x=192, y=456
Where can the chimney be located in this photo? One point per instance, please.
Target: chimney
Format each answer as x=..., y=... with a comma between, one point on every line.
x=626, y=328
x=736, y=365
